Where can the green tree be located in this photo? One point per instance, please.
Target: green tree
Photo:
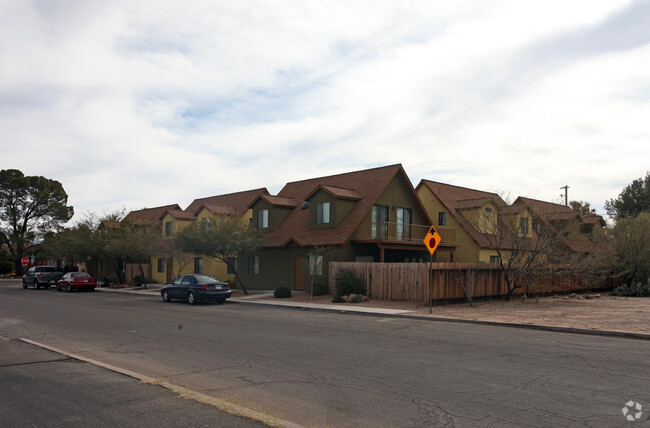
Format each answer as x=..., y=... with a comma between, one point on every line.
x=582, y=208
x=632, y=201
x=220, y=238
x=631, y=240
x=29, y=208
x=131, y=243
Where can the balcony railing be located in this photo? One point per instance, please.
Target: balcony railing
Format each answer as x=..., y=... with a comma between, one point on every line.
x=406, y=233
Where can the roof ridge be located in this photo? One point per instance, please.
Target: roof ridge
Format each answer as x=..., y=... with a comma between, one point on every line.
x=345, y=173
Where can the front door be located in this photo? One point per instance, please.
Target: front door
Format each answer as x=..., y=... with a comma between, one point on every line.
x=300, y=268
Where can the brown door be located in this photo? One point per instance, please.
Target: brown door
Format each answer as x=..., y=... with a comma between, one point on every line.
x=300, y=273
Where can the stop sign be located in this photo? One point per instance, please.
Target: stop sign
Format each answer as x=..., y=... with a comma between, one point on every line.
x=24, y=261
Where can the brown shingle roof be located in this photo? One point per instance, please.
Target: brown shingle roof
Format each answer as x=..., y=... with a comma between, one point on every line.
x=149, y=216
x=365, y=186
x=278, y=201
x=337, y=192
x=239, y=201
x=550, y=213
x=216, y=209
x=456, y=199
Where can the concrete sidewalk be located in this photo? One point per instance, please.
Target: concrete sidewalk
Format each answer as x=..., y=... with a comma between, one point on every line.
x=263, y=298
x=258, y=298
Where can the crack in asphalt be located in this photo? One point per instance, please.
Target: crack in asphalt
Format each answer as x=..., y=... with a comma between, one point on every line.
x=30, y=363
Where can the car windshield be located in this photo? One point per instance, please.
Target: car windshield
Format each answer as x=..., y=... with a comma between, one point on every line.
x=79, y=275
x=207, y=279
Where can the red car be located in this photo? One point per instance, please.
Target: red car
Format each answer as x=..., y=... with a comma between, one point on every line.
x=76, y=280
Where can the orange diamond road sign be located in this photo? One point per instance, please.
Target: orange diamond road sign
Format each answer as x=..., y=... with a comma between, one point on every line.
x=432, y=240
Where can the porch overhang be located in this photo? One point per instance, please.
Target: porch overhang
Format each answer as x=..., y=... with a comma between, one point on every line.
x=384, y=245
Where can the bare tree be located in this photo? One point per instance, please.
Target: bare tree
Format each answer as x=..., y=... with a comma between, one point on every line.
x=526, y=250
x=180, y=259
x=466, y=278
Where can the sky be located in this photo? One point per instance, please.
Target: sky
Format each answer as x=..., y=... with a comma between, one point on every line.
x=135, y=104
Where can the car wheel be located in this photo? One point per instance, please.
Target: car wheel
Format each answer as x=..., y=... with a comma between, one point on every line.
x=191, y=298
x=58, y=287
x=70, y=288
x=165, y=297
x=36, y=285
x=24, y=284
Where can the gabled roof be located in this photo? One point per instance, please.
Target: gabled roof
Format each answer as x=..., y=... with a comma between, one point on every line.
x=239, y=201
x=149, y=216
x=472, y=203
x=337, y=192
x=551, y=213
x=179, y=215
x=457, y=198
x=365, y=187
x=215, y=209
x=278, y=201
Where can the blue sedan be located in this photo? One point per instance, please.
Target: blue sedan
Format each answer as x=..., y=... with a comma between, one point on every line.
x=196, y=288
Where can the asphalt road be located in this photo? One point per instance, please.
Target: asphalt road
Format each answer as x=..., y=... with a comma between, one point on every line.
x=324, y=369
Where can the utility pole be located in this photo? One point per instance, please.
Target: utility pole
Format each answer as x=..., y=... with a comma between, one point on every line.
x=566, y=195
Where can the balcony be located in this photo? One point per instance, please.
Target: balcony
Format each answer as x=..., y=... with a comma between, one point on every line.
x=399, y=233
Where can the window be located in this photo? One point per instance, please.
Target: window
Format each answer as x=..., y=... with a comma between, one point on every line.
x=537, y=226
x=198, y=264
x=523, y=225
x=253, y=265
x=316, y=265
x=263, y=219
x=442, y=218
x=161, y=264
x=403, y=224
x=169, y=228
x=494, y=259
x=379, y=222
x=205, y=222
x=323, y=213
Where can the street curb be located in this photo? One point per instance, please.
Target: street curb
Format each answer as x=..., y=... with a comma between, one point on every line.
x=352, y=311
x=555, y=329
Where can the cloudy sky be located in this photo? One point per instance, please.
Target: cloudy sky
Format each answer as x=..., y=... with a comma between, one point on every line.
x=135, y=103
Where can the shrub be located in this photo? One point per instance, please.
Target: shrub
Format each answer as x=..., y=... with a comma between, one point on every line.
x=111, y=279
x=633, y=290
x=338, y=299
x=348, y=282
x=139, y=280
x=321, y=289
x=282, y=292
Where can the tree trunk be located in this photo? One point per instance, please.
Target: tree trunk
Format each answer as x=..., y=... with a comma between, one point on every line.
x=142, y=278
x=18, y=266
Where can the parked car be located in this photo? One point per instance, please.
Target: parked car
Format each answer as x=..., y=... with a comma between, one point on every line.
x=196, y=288
x=76, y=280
x=41, y=276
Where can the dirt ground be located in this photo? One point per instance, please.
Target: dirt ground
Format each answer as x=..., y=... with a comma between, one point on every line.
x=595, y=311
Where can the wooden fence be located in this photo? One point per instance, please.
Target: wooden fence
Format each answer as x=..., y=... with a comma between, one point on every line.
x=133, y=270
x=410, y=281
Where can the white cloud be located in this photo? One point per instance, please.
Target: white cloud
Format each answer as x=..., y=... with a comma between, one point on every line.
x=159, y=104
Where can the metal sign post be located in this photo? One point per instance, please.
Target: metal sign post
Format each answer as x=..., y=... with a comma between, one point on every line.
x=431, y=241
x=430, y=282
